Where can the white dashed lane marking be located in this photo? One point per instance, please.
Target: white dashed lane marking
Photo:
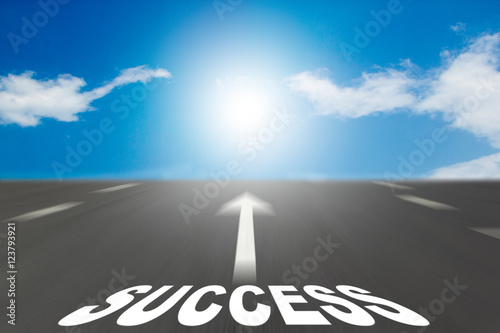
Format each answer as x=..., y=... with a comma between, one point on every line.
x=115, y=188
x=425, y=202
x=44, y=212
x=490, y=231
x=394, y=186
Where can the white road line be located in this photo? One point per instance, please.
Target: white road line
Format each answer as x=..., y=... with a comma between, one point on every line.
x=245, y=265
x=490, y=231
x=425, y=202
x=44, y=212
x=393, y=185
x=115, y=188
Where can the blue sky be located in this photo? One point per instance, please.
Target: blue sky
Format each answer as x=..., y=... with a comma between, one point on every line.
x=179, y=89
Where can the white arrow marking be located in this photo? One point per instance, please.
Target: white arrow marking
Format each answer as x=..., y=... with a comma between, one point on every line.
x=245, y=271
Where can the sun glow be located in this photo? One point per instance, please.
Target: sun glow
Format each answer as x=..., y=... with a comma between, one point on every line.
x=245, y=107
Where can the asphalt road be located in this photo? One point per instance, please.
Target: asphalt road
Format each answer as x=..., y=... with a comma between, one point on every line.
x=391, y=243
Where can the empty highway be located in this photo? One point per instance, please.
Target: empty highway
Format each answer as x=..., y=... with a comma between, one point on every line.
x=432, y=247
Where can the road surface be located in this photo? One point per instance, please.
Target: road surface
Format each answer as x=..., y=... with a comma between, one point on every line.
x=79, y=242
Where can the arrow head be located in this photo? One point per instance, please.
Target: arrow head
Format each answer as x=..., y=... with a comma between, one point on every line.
x=246, y=199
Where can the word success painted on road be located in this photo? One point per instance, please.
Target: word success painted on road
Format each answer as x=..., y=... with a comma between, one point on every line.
x=189, y=315
x=245, y=276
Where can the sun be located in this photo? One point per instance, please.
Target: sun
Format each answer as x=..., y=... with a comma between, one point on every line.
x=246, y=108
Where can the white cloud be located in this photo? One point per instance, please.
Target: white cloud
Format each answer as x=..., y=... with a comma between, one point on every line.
x=466, y=89
x=481, y=168
x=24, y=100
x=384, y=91
x=460, y=26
